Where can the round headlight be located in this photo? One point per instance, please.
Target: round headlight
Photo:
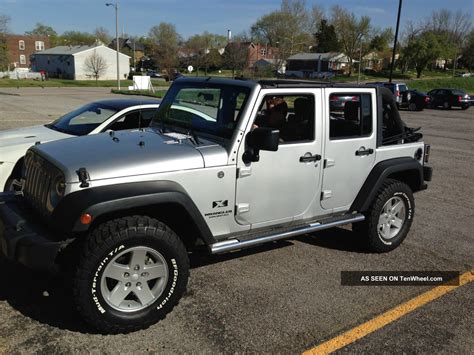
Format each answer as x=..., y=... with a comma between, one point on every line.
x=56, y=191
x=60, y=186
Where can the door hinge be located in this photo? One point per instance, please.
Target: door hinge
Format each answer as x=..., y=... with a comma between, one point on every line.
x=243, y=172
x=329, y=162
x=325, y=194
x=242, y=208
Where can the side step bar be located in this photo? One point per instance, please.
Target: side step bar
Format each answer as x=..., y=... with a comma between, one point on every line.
x=235, y=244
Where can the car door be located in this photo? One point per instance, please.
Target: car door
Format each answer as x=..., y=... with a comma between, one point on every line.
x=350, y=142
x=282, y=186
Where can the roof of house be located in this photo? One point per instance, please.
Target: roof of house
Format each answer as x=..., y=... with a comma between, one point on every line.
x=316, y=56
x=67, y=50
x=127, y=42
x=71, y=50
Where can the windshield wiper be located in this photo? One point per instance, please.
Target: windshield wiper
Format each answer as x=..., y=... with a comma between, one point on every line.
x=193, y=135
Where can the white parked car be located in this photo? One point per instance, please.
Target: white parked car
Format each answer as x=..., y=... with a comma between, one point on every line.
x=92, y=118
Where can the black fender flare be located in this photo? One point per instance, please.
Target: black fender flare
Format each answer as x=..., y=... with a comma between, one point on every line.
x=380, y=172
x=98, y=201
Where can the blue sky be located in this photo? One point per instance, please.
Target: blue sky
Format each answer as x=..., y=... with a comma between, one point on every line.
x=138, y=16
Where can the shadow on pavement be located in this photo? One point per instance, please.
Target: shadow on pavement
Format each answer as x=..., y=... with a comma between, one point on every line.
x=335, y=238
x=48, y=298
x=42, y=297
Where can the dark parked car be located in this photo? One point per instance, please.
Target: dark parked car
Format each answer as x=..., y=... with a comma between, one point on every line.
x=448, y=98
x=154, y=74
x=418, y=101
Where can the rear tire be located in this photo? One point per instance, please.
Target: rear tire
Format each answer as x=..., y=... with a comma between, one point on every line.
x=131, y=274
x=389, y=218
x=446, y=105
x=412, y=107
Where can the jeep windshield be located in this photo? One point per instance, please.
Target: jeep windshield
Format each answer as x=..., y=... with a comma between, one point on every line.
x=83, y=120
x=208, y=108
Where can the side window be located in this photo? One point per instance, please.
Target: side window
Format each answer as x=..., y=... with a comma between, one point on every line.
x=350, y=115
x=132, y=120
x=21, y=45
x=293, y=115
x=22, y=59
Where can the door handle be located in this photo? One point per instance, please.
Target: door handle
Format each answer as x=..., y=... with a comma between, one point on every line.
x=362, y=151
x=309, y=158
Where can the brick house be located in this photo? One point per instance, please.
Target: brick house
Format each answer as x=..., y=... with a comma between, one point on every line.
x=21, y=47
x=257, y=51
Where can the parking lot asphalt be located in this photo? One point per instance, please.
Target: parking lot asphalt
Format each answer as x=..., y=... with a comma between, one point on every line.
x=282, y=297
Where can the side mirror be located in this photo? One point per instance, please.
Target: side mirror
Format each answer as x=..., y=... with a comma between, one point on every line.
x=261, y=138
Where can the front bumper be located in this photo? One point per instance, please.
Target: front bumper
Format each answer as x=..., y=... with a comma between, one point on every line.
x=23, y=240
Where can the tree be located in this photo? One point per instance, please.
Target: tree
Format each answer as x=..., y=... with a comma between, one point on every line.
x=44, y=30
x=4, y=57
x=381, y=40
x=95, y=65
x=316, y=16
x=235, y=56
x=326, y=38
x=199, y=47
x=165, y=42
x=467, y=55
x=76, y=38
x=282, y=29
x=102, y=34
x=422, y=49
x=452, y=28
x=351, y=31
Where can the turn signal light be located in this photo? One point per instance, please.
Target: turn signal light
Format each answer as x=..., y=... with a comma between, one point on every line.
x=86, y=218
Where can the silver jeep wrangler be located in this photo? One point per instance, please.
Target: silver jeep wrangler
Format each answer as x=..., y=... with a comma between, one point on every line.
x=226, y=164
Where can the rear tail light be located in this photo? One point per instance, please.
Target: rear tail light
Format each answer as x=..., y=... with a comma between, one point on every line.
x=397, y=93
x=427, y=99
x=459, y=98
x=427, y=153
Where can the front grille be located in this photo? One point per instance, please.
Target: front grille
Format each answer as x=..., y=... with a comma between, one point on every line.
x=38, y=180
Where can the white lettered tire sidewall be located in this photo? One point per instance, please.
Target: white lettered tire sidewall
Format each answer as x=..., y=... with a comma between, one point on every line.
x=101, y=250
x=160, y=305
x=409, y=211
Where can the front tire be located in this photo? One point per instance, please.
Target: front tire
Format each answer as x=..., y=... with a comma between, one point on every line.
x=389, y=218
x=412, y=107
x=132, y=272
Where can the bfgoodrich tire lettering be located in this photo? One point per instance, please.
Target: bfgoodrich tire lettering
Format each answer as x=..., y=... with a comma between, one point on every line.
x=109, y=264
x=389, y=218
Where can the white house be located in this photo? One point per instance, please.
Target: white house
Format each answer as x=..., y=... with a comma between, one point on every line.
x=69, y=62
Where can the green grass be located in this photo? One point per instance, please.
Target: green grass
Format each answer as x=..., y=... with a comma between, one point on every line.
x=466, y=84
x=58, y=83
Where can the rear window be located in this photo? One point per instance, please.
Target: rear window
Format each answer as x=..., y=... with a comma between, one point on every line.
x=350, y=115
x=458, y=92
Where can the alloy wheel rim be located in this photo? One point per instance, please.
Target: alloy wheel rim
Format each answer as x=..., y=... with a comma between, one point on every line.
x=134, y=279
x=392, y=218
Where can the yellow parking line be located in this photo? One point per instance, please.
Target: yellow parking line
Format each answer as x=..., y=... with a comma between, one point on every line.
x=388, y=317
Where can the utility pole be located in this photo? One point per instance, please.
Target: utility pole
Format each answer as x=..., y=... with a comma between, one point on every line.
x=395, y=41
x=360, y=61
x=116, y=40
